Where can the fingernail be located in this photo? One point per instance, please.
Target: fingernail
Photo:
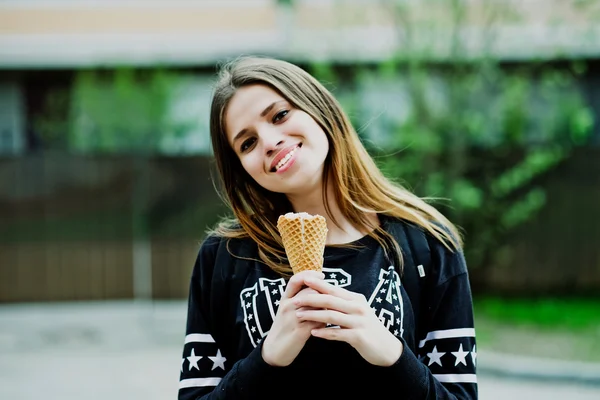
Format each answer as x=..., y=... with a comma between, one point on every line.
x=299, y=314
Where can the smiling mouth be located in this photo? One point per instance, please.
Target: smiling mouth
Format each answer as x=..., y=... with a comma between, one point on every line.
x=285, y=159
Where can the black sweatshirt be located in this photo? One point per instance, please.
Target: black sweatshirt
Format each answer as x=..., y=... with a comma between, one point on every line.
x=233, y=300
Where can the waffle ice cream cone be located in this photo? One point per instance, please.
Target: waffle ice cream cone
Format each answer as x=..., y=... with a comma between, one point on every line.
x=303, y=237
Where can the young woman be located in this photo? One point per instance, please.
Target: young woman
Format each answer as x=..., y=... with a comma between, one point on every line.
x=255, y=331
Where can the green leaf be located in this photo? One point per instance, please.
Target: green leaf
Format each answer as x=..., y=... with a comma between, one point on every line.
x=582, y=124
x=521, y=174
x=466, y=194
x=523, y=209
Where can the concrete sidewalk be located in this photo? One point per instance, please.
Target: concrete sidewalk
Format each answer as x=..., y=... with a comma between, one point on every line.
x=528, y=368
x=93, y=350
x=104, y=349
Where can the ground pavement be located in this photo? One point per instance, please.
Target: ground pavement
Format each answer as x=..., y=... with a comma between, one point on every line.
x=128, y=350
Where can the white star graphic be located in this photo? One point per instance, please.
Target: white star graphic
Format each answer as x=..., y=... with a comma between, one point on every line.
x=247, y=294
x=474, y=355
x=182, y=362
x=386, y=281
x=394, y=297
x=276, y=302
x=274, y=291
x=460, y=356
x=332, y=275
x=250, y=317
x=382, y=291
x=248, y=305
x=435, y=357
x=374, y=309
x=378, y=300
x=342, y=281
x=253, y=329
x=396, y=332
x=218, y=361
x=193, y=359
x=397, y=307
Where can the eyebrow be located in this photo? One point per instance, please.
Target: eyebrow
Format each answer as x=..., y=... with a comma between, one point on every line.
x=262, y=114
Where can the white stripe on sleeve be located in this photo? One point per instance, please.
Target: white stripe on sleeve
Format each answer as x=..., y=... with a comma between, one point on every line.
x=199, y=338
x=199, y=382
x=456, y=378
x=447, y=334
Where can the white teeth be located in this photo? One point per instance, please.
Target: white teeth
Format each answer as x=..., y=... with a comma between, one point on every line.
x=285, y=159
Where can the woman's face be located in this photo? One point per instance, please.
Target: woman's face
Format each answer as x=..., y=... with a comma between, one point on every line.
x=281, y=147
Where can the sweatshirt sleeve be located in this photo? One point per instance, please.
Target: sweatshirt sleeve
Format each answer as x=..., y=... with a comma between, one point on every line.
x=206, y=372
x=445, y=364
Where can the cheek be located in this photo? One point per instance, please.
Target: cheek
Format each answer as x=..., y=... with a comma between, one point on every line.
x=318, y=134
x=252, y=165
x=321, y=141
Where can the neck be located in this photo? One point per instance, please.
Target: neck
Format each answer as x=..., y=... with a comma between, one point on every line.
x=314, y=203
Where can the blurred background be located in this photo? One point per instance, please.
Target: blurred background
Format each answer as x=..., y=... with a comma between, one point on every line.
x=491, y=107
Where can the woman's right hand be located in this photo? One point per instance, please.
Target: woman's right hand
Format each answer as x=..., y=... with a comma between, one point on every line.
x=288, y=334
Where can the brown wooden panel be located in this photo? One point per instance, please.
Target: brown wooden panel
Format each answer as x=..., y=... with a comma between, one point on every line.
x=118, y=272
x=59, y=271
x=66, y=223
x=8, y=272
x=172, y=262
x=558, y=251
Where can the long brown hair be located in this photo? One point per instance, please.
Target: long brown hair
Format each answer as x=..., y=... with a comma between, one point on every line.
x=359, y=186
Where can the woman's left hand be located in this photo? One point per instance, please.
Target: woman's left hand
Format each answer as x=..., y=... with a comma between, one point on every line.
x=358, y=324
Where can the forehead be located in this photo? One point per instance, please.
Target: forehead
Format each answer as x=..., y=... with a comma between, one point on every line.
x=247, y=104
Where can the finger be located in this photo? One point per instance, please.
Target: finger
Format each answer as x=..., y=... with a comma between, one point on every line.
x=320, y=301
x=310, y=325
x=300, y=294
x=306, y=290
x=305, y=308
x=326, y=317
x=296, y=282
x=337, y=334
x=324, y=287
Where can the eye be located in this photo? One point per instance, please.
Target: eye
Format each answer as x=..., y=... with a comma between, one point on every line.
x=247, y=144
x=280, y=116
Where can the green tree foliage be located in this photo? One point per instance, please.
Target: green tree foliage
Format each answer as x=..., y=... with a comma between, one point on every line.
x=472, y=135
x=123, y=111
x=498, y=133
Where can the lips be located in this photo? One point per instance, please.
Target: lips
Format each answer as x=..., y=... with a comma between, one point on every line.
x=281, y=155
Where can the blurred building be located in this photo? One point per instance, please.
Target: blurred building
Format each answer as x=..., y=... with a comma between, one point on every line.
x=68, y=219
x=43, y=42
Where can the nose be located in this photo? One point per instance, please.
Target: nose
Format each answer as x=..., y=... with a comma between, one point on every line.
x=271, y=149
x=272, y=140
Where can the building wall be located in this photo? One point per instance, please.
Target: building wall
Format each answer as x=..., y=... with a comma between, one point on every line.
x=66, y=231
x=70, y=33
x=12, y=118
